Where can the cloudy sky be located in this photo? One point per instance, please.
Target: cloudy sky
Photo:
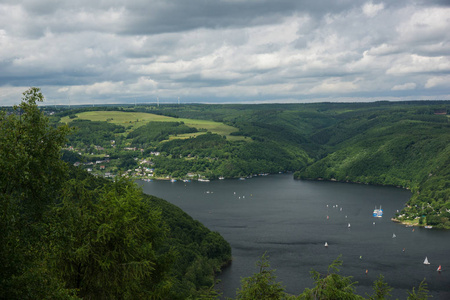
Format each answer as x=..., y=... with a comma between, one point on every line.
x=223, y=51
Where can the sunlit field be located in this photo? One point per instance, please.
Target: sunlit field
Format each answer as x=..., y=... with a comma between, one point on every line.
x=133, y=120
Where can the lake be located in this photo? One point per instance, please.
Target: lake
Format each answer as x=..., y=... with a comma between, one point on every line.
x=287, y=219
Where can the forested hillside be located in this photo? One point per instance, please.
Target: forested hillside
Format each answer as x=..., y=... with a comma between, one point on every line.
x=403, y=144
x=400, y=144
x=66, y=234
x=399, y=147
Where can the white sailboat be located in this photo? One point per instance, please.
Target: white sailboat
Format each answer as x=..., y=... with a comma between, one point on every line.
x=426, y=262
x=348, y=225
x=394, y=236
x=326, y=244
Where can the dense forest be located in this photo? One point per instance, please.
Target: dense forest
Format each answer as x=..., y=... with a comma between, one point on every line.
x=66, y=234
x=404, y=144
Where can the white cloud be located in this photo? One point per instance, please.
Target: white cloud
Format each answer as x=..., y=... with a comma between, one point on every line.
x=438, y=81
x=371, y=10
x=334, y=86
x=404, y=87
x=408, y=64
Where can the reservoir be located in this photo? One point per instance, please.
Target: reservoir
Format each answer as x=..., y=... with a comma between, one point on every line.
x=291, y=220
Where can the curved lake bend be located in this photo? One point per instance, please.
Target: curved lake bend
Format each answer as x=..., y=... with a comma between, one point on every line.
x=287, y=218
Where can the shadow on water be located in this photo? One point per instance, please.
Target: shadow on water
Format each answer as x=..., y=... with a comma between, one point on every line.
x=287, y=219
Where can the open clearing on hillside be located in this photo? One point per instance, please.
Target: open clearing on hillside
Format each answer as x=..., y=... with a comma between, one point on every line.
x=133, y=120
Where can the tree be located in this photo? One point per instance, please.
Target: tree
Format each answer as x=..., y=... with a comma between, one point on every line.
x=261, y=285
x=381, y=289
x=331, y=285
x=31, y=173
x=422, y=292
x=106, y=242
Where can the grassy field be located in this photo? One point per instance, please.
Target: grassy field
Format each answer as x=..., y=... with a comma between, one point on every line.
x=133, y=120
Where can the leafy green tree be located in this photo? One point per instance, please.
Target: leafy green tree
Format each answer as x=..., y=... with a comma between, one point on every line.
x=381, y=290
x=261, y=285
x=421, y=294
x=31, y=174
x=331, y=285
x=106, y=241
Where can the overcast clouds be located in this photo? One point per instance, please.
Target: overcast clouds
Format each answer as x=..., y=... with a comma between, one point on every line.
x=224, y=51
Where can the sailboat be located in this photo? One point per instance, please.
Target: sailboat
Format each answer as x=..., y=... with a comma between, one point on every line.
x=439, y=268
x=425, y=262
x=393, y=235
x=348, y=225
x=326, y=244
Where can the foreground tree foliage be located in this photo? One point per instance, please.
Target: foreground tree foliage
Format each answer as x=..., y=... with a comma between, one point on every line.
x=31, y=175
x=261, y=285
x=105, y=242
x=329, y=286
x=66, y=234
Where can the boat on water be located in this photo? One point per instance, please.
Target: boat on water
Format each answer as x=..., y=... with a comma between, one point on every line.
x=173, y=180
x=428, y=227
x=378, y=212
x=393, y=235
x=348, y=225
x=426, y=262
x=203, y=180
x=326, y=244
x=221, y=178
x=439, y=268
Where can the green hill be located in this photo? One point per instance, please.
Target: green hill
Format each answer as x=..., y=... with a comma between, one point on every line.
x=404, y=144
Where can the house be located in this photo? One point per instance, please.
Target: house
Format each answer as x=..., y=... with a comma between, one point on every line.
x=440, y=111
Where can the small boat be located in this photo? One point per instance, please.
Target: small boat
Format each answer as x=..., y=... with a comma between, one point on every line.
x=173, y=180
x=439, y=268
x=326, y=244
x=221, y=178
x=348, y=225
x=394, y=236
x=428, y=227
x=378, y=212
x=426, y=262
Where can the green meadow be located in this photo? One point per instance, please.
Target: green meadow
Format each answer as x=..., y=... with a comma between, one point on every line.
x=133, y=120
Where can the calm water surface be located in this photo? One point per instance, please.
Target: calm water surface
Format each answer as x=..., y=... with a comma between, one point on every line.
x=287, y=218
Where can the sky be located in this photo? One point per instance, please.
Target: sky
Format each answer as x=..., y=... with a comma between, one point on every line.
x=224, y=51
